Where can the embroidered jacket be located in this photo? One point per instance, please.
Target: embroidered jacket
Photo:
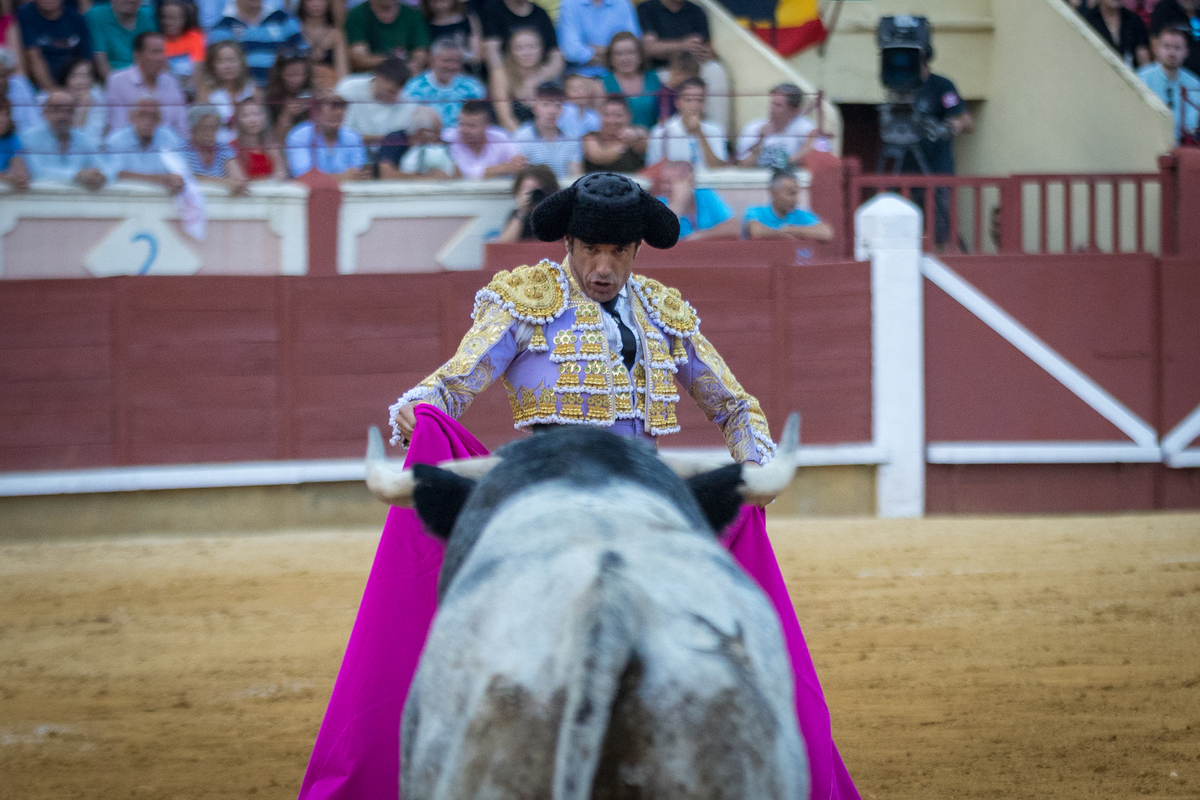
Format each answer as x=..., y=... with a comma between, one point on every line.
x=567, y=374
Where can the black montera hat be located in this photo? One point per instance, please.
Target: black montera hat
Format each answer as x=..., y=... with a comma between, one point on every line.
x=606, y=208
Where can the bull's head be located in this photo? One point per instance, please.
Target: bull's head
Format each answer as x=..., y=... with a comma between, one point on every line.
x=439, y=493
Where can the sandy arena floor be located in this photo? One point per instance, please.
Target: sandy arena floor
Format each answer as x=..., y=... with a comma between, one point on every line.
x=1008, y=658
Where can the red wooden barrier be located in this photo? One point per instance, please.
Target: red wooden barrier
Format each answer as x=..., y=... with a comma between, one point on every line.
x=145, y=370
x=996, y=210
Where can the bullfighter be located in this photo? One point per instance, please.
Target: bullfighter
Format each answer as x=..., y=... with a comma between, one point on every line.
x=587, y=342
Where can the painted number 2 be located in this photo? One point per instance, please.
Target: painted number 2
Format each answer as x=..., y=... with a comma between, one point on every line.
x=153, y=254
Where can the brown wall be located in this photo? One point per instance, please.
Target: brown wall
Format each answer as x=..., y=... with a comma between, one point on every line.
x=146, y=370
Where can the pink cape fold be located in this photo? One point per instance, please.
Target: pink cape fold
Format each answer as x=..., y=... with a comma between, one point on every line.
x=357, y=752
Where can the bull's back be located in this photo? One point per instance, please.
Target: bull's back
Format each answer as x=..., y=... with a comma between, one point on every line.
x=700, y=704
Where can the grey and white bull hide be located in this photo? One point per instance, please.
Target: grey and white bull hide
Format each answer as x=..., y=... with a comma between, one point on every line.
x=593, y=639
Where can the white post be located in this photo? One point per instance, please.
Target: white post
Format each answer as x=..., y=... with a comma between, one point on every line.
x=887, y=230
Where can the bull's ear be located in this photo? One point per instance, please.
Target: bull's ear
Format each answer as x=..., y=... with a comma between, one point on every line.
x=438, y=497
x=717, y=493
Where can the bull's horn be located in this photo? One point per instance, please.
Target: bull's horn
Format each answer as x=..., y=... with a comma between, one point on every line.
x=396, y=487
x=688, y=466
x=761, y=485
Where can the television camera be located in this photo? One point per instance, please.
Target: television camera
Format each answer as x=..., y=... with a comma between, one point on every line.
x=904, y=45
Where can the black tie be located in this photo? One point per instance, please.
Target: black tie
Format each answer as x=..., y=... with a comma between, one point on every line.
x=628, y=340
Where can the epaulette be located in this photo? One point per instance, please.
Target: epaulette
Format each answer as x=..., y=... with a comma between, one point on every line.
x=667, y=307
x=535, y=294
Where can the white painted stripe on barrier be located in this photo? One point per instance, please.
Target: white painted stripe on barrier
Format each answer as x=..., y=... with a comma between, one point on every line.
x=1182, y=434
x=1041, y=453
x=833, y=455
x=280, y=473
x=183, y=476
x=1184, y=459
x=1039, y=352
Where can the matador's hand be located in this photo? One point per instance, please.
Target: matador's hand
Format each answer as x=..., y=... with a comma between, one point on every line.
x=406, y=421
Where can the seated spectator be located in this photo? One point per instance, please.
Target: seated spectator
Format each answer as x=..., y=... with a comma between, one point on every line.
x=628, y=75
x=1185, y=15
x=379, y=29
x=618, y=146
x=147, y=76
x=444, y=87
x=113, y=26
x=782, y=219
x=1123, y=30
x=91, y=109
x=682, y=66
x=258, y=155
x=501, y=19
x=585, y=28
x=1167, y=76
x=481, y=151
x=325, y=40
x=424, y=155
x=12, y=166
x=19, y=91
x=541, y=141
x=55, y=151
x=140, y=151
x=208, y=159
x=53, y=34
x=686, y=136
x=325, y=145
x=226, y=82
x=784, y=138
x=453, y=19
x=262, y=34
x=673, y=26
x=702, y=213
x=375, y=107
x=289, y=93
x=514, y=86
x=532, y=185
x=185, y=45
x=579, y=116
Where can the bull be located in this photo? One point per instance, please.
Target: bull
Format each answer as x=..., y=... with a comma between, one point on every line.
x=593, y=639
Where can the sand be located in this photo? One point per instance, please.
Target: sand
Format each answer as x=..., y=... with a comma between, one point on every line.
x=1013, y=658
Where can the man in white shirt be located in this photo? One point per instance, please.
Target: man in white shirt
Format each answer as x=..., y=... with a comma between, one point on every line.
x=58, y=152
x=375, y=107
x=135, y=153
x=784, y=138
x=686, y=136
x=326, y=145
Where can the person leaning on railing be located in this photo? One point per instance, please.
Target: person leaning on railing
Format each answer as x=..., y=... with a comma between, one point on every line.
x=782, y=218
x=13, y=171
x=55, y=151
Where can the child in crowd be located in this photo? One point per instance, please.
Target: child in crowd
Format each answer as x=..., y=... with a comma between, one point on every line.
x=579, y=116
x=682, y=66
x=289, y=93
x=185, y=44
x=257, y=154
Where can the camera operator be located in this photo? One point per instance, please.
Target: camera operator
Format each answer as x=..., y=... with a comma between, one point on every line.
x=938, y=100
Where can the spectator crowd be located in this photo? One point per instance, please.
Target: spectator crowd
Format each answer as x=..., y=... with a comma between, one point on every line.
x=171, y=92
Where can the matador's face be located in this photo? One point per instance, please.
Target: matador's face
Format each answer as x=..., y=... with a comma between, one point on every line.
x=601, y=269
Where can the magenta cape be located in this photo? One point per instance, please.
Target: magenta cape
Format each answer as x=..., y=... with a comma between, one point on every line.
x=357, y=752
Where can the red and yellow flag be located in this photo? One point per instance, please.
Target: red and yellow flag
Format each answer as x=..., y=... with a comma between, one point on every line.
x=797, y=26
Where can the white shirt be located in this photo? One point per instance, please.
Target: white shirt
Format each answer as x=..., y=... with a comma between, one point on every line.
x=366, y=115
x=612, y=333
x=422, y=158
x=787, y=142
x=670, y=142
